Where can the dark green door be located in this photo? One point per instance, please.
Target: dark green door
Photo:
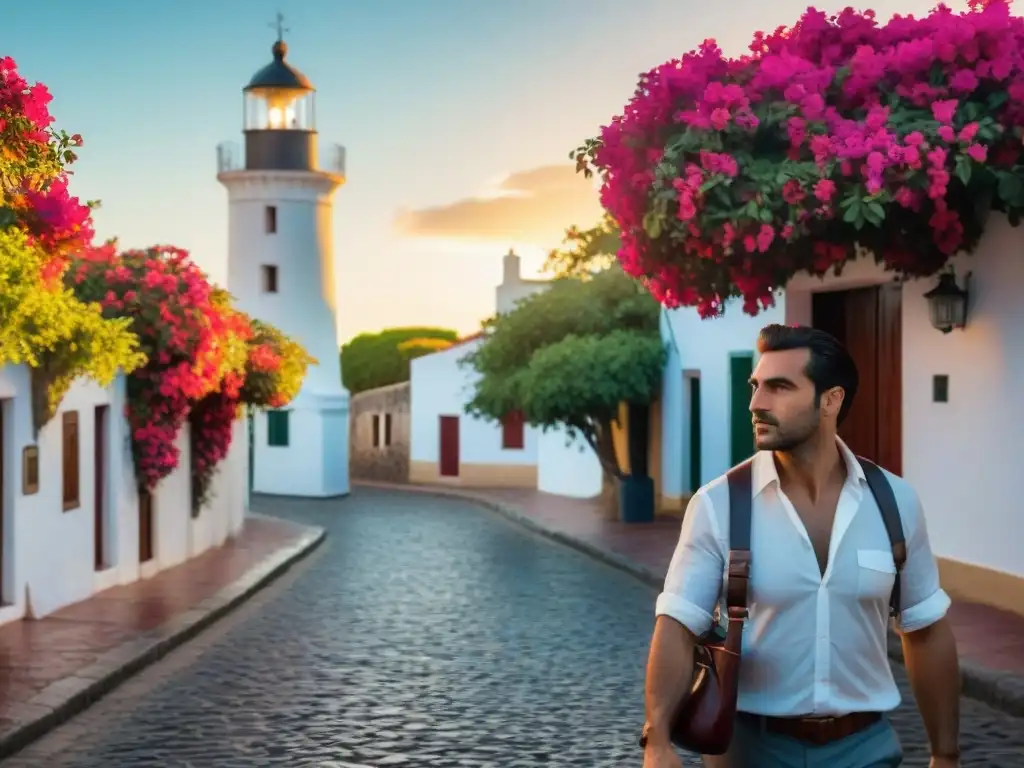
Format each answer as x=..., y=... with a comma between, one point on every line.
x=741, y=365
x=693, y=383
x=252, y=447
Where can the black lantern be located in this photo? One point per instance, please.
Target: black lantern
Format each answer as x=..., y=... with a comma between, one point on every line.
x=947, y=303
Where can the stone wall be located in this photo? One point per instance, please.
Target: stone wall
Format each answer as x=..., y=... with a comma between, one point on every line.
x=387, y=458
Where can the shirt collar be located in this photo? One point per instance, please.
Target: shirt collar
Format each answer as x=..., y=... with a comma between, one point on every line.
x=764, y=472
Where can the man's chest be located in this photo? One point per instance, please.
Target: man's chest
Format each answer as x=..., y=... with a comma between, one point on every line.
x=796, y=558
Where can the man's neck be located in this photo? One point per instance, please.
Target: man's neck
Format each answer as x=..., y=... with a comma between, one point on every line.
x=812, y=466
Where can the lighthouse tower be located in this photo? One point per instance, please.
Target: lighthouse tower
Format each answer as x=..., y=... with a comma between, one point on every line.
x=281, y=270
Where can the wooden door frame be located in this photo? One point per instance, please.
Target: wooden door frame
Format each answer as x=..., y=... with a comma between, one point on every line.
x=694, y=459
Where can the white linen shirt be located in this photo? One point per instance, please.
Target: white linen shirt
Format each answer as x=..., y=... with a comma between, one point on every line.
x=812, y=645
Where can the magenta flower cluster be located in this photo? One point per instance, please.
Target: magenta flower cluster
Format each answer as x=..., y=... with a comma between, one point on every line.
x=727, y=176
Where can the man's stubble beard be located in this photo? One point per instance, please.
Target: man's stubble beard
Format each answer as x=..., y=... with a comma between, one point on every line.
x=788, y=439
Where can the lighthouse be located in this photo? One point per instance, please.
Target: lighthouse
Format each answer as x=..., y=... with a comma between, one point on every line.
x=281, y=270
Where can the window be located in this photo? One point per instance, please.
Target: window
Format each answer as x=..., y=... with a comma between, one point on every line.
x=269, y=278
x=513, y=430
x=270, y=219
x=277, y=429
x=387, y=429
x=69, y=446
x=376, y=430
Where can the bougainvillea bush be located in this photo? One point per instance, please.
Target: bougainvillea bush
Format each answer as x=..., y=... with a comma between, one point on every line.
x=42, y=323
x=727, y=176
x=169, y=302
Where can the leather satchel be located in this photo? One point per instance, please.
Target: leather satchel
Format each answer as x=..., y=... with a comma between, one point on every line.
x=705, y=719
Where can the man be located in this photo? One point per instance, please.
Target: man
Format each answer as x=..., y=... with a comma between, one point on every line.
x=814, y=664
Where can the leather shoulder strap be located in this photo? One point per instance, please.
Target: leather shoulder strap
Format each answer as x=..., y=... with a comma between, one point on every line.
x=886, y=501
x=741, y=498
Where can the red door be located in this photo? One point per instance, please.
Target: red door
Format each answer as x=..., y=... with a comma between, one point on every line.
x=449, y=446
x=868, y=322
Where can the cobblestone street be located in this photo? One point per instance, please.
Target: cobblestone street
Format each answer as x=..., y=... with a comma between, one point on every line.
x=425, y=632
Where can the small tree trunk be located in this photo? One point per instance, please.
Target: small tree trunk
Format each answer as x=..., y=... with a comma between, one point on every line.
x=609, y=496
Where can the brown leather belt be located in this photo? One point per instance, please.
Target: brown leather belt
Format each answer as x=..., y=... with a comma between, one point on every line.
x=819, y=730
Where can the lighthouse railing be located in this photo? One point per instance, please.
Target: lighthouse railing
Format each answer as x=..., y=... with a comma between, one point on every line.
x=229, y=157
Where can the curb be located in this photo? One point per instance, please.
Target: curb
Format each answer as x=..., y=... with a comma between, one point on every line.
x=1000, y=690
x=68, y=696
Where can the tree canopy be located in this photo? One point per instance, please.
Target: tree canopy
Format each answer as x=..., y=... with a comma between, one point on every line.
x=372, y=360
x=584, y=252
x=568, y=356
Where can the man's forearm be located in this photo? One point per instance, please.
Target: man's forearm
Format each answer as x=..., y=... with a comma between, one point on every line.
x=669, y=672
x=934, y=671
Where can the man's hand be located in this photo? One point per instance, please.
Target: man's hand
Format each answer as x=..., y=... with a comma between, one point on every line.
x=664, y=756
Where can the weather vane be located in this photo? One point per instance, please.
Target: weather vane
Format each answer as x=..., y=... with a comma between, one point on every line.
x=279, y=26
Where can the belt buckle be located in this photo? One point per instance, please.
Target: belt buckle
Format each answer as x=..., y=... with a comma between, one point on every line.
x=822, y=729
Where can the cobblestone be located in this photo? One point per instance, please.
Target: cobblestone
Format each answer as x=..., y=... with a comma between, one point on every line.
x=425, y=633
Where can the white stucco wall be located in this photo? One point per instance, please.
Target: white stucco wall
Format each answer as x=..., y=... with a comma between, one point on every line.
x=702, y=348
x=48, y=551
x=961, y=456
x=567, y=467
x=440, y=387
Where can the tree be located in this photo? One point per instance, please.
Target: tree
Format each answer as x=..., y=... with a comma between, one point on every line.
x=567, y=357
x=372, y=360
x=585, y=251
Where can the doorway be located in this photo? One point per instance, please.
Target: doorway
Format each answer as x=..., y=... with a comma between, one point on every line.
x=741, y=428
x=868, y=321
x=692, y=390
x=145, y=526
x=449, y=446
x=100, y=560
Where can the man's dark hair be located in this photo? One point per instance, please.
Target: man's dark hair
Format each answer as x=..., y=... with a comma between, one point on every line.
x=830, y=364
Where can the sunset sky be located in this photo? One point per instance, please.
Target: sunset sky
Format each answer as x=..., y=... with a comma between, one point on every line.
x=457, y=116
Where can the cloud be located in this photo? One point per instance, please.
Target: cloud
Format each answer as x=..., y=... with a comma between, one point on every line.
x=531, y=206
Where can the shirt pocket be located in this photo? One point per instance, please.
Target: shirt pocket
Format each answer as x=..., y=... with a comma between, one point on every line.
x=876, y=574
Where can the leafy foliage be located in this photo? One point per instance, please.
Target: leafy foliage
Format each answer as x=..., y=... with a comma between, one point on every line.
x=568, y=356
x=585, y=251
x=372, y=360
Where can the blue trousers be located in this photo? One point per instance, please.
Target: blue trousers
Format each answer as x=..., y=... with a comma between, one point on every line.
x=877, y=746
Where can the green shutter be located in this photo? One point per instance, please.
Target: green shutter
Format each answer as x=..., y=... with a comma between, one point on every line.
x=277, y=429
x=741, y=366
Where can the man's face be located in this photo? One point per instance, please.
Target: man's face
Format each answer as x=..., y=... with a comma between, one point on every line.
x=785, y=411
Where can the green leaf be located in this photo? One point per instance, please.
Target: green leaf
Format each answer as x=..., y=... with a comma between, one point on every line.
x=963, y=169
x=652, y=225
x=997, y=99
x=853, y=213
x=875, y=213
x=1011, y=188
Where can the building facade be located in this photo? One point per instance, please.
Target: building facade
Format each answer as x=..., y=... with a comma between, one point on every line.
x=72, y=521
x=281, y=270
x=379, y=444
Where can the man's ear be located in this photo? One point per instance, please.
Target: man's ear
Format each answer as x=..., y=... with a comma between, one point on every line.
x=832, y=401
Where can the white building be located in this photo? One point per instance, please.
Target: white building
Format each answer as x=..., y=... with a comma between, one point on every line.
x=281, y=270
x=449, y=446
x=705, y=421
x=72, y=523
x=941, y=409
x=446, y=445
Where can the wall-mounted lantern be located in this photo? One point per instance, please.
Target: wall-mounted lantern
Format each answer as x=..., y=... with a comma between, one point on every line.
x=947, y=303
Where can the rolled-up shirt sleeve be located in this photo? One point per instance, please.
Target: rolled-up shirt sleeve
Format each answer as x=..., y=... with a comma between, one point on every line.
x=922, y=599
x=694, y=580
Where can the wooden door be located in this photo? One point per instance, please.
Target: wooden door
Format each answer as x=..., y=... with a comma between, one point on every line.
x=100, y=487
x=868, y=322
x=449, y=446
x=145, y=526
